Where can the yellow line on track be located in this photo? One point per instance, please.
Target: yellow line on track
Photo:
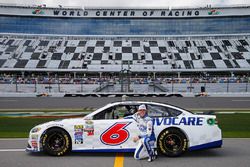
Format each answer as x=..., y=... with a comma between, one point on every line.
x=119, y=160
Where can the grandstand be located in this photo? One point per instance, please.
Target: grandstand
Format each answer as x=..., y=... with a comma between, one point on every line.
x=136, y=42
x=140, y=54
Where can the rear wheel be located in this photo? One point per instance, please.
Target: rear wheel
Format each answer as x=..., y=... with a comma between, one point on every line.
x=172, y=142
x=56, y=142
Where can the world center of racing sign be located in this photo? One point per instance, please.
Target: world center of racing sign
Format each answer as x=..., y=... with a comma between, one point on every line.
x=149, y=13
x=127, y=13
x=124, y=13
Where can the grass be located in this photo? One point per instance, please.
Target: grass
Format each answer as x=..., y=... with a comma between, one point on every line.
x=232, y=125
x=235, y=125
x=47, y=110
x=19, y=127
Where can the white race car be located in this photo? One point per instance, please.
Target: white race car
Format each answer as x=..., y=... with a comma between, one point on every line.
x=111, y=128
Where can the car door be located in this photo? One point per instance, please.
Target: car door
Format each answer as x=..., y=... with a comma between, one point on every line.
x=109, y=130
x=162, y=116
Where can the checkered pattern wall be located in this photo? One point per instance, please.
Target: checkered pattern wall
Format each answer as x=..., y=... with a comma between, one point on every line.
x=96, y=55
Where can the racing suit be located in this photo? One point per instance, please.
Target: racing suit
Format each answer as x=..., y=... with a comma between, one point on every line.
x=145, y=147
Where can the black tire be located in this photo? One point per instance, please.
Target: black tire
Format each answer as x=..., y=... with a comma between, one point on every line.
x=56, y=142
x=172, y=142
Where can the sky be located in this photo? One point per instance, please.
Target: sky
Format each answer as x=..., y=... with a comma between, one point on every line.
x=129, y=3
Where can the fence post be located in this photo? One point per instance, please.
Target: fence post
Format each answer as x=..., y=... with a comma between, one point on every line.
x=81, y=86
x=191, y=85
x=58, y=82
x=16, y=85
x=172, y=84
x=35, y=85
x=247, y=85
x=49, y=87
x=227, y=85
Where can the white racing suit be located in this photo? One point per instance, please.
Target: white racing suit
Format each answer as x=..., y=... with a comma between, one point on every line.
x=146, y=144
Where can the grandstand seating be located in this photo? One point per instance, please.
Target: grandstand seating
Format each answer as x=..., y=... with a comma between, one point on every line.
x=113, y=55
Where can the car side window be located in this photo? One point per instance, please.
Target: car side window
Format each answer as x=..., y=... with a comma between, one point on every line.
x=105, y=114
x=157, y=111
x=119, y=112
x=116, y=112
x=131, y=109
x=122, y=111
x=173, y=112
x=161, y=111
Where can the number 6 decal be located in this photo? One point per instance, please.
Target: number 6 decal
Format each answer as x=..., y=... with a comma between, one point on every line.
x=116, y=134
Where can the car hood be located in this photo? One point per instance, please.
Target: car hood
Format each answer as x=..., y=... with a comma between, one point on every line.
x=58, y=123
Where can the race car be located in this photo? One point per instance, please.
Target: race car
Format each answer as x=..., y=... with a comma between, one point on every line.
x=111, y=129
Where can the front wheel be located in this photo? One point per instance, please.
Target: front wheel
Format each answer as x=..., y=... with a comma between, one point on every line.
x=56, y=142
x=172, y=142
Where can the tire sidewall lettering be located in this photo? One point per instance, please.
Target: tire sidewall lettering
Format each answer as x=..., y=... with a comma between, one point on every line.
x=44, y=139
x=62, y=151
x=162, y=138
x=161, y=141
x=184, y=145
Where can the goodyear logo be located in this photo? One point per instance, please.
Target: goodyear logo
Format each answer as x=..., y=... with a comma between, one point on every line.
x=190, y=121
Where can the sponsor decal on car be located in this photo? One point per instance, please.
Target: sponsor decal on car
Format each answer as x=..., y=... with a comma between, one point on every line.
x=190, y=121
x=34, y=137
x=34, y=144
x=78, y=129
x=89, y=127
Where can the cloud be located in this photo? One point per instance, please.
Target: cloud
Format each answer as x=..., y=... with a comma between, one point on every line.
x=130, y=3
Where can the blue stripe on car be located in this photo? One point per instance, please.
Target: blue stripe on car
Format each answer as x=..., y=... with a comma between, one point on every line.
x=214, y=144
x=106, y=150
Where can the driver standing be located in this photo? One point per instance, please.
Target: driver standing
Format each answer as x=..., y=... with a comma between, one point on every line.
x=146, y=139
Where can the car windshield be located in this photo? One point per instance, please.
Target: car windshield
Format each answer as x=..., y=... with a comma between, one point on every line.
x=123, y=110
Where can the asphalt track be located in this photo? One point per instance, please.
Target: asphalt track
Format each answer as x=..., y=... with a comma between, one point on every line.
x=96, y=102
x=235, y=152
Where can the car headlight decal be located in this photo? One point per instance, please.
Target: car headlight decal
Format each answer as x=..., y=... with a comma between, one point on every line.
x=35, y=130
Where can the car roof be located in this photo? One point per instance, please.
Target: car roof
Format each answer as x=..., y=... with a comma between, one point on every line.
x=138, y=103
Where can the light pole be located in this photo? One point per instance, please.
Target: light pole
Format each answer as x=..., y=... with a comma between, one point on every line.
x=121, y=78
